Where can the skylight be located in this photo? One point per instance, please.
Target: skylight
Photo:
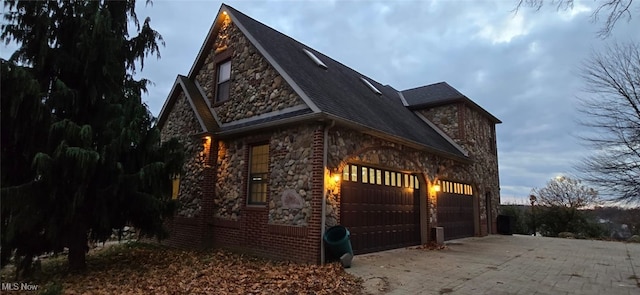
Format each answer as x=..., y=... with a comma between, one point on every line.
x=315, y=59
x=373, y=88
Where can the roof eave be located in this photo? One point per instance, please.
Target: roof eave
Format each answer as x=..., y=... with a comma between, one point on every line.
x=323, y=117
x=436, y=103
x=269, y=125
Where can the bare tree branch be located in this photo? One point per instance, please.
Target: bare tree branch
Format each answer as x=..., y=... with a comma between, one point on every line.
x=566, y=192
x=613, y=9
x=612, y=112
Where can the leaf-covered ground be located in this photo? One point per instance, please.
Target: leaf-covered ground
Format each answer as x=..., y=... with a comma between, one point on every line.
x=149, y=269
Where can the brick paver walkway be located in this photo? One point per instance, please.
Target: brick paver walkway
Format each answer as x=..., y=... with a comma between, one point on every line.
x=505, y=265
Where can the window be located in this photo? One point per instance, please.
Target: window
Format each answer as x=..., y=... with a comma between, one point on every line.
x=223, y=81
x=375, y=176
x=492, y=138
x=372, y=176
x=345, y=173
x=258, y=169
x=175, y=183
x=365, y=178
x=354, y=173
x=456, y=188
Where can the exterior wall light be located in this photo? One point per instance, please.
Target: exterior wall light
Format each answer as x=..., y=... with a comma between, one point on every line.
x=206, y=149
x=436, y=188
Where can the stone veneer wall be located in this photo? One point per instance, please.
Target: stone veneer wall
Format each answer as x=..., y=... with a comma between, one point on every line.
x=288, y=226
x=481, y=143
x=477, y=136
x=346, y=146
x=290, y=175
x=256, y=87
x=446, y=117
x=182, y=124
x=230, y=179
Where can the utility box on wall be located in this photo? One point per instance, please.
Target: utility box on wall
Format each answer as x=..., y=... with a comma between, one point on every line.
x=437, y=235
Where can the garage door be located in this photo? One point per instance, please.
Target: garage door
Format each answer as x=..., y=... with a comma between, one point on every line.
x=381, y=208
x=455, y=210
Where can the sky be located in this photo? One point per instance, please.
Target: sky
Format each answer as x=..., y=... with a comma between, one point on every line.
x=521, y=67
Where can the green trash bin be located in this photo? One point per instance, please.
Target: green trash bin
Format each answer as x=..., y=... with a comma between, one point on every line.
x=337, y=240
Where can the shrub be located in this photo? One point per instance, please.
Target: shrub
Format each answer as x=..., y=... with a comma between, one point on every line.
x=521, y=217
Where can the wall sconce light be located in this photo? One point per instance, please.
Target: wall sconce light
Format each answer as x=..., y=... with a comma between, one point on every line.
x=206, y=149
x=436, y=188
x=336, y=178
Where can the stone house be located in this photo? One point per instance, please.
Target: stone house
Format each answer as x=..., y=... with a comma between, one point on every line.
x=283, y=142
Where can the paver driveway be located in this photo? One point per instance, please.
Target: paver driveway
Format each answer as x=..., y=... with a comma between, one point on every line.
x=505, y=265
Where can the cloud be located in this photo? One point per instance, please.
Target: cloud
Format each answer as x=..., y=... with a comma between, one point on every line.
x=504, y=31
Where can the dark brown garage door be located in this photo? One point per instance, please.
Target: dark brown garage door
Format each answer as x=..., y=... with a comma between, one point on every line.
x=455, y=210
x=380, y=208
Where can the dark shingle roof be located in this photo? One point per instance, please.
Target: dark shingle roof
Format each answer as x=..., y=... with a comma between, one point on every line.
x=431, y=94
x=271, y=119
x=439, y=94
x=338, y=91
x=199, y=104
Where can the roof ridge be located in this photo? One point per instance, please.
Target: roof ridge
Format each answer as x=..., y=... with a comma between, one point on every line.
x=434, y=84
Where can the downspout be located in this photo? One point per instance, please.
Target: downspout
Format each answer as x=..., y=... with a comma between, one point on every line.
x=323, y=218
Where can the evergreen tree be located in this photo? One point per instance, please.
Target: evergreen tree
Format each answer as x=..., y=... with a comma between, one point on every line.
x=21, y=139
x=84, y=155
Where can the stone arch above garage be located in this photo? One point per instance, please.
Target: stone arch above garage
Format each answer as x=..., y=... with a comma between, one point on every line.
x=348, y=146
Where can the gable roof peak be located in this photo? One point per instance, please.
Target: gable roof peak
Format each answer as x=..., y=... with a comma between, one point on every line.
x=338, y=92
x=437, y=94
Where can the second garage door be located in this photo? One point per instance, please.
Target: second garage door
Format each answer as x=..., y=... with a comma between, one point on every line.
x=455, y=210
x=381, y=208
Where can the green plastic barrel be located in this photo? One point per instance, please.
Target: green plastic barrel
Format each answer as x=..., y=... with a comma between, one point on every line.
x=337, y=240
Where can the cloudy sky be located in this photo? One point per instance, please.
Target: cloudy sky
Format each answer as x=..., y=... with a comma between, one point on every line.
x=523, y=68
